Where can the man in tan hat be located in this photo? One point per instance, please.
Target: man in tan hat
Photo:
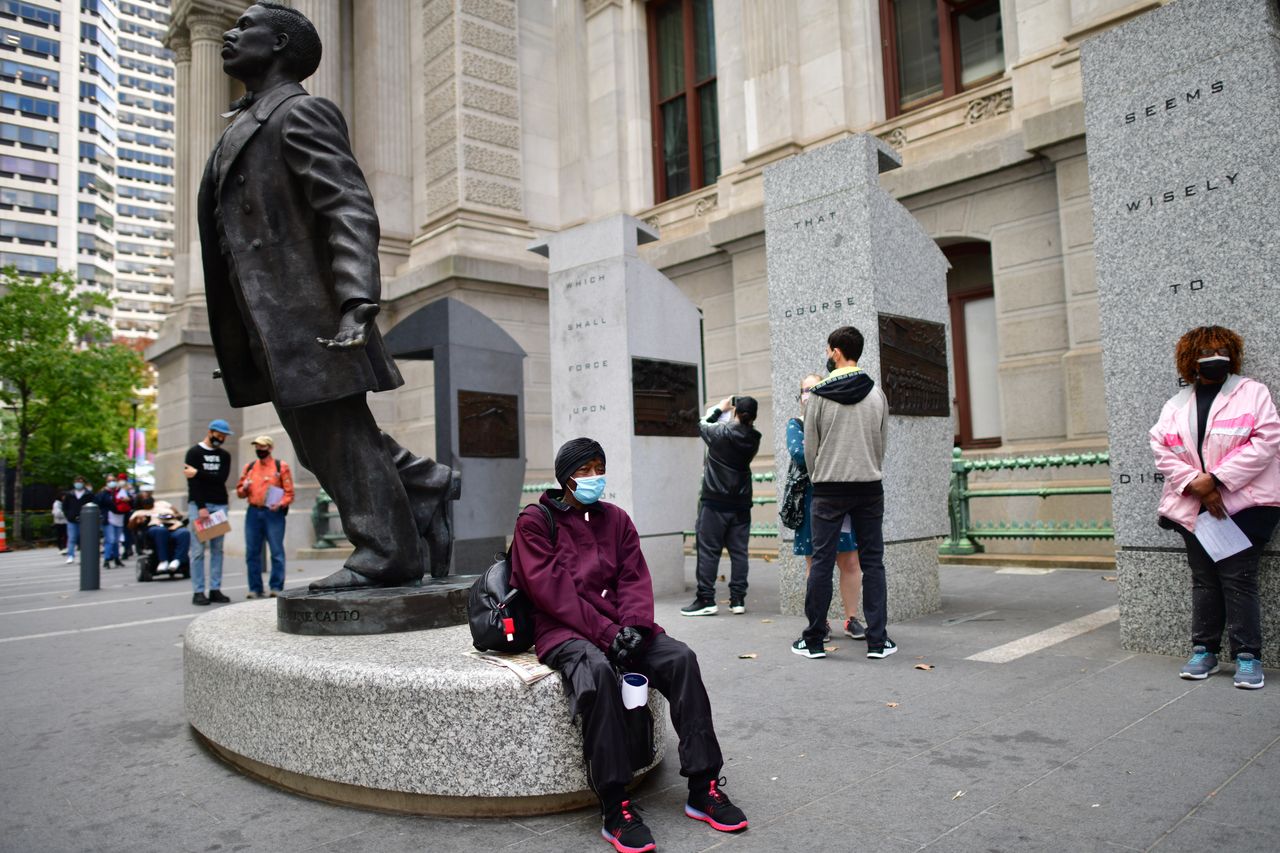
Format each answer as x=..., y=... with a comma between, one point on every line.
x=267, y=484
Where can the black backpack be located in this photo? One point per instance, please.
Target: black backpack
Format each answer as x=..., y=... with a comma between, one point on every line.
x=501, y=617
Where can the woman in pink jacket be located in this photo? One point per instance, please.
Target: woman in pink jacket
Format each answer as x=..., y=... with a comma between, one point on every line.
x=1218, y=445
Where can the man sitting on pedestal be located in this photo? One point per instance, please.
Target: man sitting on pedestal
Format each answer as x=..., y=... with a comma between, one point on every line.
x=593, y=602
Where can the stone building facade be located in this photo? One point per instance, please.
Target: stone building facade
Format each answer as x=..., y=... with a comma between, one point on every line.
x=483, y=124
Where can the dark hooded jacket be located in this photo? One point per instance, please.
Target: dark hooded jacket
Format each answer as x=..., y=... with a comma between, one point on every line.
x=726, y=474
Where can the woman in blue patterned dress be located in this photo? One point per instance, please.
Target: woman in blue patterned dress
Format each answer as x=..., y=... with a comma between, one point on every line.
x=847, y=549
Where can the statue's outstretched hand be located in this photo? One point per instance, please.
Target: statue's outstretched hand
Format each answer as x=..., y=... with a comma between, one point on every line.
x=353, y=329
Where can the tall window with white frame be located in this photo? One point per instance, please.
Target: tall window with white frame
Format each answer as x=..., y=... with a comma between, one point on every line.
x=934, y=49
x=682, y=83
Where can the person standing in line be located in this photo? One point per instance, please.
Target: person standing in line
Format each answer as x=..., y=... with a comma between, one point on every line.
x=126, y=503
x=1218, y=445
x=846, y=549
x=846, y=427
x=72, y=502
x=724, y=519
x=207, y=468
x=267, y=484
x=59, y=525
x=112, y=523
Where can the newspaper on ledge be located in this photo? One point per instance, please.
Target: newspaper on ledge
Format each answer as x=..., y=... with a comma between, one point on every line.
x=525, y=665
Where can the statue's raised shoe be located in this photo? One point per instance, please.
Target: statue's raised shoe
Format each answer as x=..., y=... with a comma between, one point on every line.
x=343, y=578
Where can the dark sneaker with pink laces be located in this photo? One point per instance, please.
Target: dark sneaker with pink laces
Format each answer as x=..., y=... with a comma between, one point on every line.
x=624, y=829
x=712, y=806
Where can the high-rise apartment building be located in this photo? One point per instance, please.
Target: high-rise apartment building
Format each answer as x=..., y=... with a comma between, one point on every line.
x=87, y=149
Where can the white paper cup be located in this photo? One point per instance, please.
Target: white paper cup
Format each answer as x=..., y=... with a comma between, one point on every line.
x=635, y=690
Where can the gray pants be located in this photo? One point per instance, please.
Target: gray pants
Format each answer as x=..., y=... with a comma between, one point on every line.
x=717, y=530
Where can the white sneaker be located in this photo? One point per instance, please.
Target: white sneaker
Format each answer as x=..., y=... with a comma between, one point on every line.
x=70, y=560
x=174, y=564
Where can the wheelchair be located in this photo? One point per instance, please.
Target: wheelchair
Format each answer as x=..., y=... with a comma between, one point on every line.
x=147, y=562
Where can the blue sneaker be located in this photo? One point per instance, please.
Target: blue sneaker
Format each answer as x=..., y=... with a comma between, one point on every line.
x=1201, y=665
x=1248, y=672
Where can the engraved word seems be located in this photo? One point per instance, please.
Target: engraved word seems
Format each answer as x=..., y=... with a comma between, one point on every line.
x=1215, y=88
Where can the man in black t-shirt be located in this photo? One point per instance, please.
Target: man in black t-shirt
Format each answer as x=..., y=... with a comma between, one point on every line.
x=207, y=468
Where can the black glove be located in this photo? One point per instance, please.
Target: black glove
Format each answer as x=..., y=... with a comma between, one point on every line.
x=626, y=647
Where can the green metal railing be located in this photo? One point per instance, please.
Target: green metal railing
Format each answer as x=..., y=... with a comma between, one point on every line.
x=321, y=515
x=965, y=531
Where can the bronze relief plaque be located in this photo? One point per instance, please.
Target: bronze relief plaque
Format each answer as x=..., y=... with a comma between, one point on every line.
x=913, y=366
x=665, y=397
x=488, y=425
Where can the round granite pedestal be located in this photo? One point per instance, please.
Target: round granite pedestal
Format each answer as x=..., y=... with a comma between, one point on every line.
x=405, y=722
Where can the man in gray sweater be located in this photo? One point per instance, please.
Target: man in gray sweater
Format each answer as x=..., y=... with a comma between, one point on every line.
x=846, y=425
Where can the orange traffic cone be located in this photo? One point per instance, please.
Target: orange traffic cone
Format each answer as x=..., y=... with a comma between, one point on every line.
x=4, y=544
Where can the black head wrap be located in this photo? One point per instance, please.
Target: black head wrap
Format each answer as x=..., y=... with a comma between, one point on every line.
x=575, y=453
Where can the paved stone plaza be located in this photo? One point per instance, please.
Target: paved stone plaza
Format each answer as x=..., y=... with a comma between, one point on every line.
x=1077, y=745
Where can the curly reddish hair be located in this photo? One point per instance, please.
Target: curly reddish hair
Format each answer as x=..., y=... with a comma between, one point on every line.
x=1203, y=338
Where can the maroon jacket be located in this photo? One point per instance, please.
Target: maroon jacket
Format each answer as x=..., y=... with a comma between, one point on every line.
x=591, y=583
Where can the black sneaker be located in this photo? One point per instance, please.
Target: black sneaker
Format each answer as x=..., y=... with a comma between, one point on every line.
x=624, y=829
x=737, y=605
x=854, y=629
x=826, y=633
x=884, y=651
x=713, y=807
x=700, y=607
x=805, y=650
x=200, y=598
x=216, y=595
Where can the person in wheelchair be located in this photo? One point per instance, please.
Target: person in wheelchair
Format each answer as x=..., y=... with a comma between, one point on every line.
x=166, y=534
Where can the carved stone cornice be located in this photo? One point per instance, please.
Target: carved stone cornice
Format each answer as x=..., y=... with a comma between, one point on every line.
x=206, y=28
x=180, y=44
x=988, y=106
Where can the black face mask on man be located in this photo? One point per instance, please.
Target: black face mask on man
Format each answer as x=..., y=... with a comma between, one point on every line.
x=831, y=364
x=1214, y=368
x=262, y=452
x=214, y=441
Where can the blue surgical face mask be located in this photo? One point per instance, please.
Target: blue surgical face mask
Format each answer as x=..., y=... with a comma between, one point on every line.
x=589, y=489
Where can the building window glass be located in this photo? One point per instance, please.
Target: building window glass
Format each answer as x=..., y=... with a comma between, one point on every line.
x=974, y=342
x=89, y=212
x=938, y=48
x=26, y=168
x=31, y=13
x=28, y=43
x=34, y=107
x=30, y=75
x=29, y=232
x=682, y=81
x=30, y=264
x=29, y=137
x=28, y=201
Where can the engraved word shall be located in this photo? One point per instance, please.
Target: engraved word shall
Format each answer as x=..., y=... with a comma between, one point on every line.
x=585, y=324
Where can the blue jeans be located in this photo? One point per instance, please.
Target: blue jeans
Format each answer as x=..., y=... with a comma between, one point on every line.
x=260, y=523
x=112, y=537
x=197, y=553
x=73, y=538
x=170, y=544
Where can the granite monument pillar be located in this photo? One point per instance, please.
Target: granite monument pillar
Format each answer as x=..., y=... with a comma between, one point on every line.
x=626, y=352
x=1182, y=119
x=841, y=251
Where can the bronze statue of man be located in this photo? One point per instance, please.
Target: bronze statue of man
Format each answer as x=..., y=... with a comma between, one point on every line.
x=289, y=240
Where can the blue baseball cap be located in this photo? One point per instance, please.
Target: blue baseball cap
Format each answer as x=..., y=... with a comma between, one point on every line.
x=220, y=425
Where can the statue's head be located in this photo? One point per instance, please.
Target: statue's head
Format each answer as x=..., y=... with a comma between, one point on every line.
x=271, y=37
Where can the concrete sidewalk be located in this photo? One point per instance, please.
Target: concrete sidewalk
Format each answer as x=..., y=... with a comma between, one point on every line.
x=1070, y=743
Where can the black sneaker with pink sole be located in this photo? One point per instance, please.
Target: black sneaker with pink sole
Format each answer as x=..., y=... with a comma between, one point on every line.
x=711, y=805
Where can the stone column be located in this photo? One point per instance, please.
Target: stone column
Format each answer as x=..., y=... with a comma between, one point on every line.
x=208, y=89
x=380, y=121
x=183, y=200
x=326, y=15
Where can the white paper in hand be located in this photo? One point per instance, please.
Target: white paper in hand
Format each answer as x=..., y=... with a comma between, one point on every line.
x=1220, y=537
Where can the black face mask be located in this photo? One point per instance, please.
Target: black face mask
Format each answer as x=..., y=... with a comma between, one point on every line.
x=831, y=364
x=262, y=452
x=1214, y=369
x=215, y=442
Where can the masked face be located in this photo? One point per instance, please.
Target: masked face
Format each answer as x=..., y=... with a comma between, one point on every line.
x=589, y=489
x=79, y=486
x=263, y=452
x=111, y=484
x=1214, y=368
x=216, y=439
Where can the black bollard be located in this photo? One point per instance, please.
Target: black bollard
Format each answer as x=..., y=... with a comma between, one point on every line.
x=89, y=554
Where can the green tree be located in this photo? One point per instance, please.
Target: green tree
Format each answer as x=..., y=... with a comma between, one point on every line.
x=65, y=387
